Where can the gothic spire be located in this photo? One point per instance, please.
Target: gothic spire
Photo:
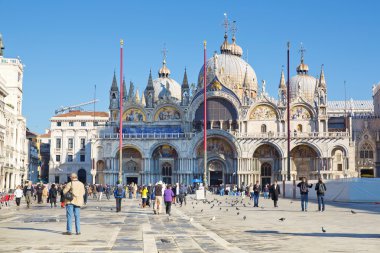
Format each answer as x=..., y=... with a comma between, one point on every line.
x=282, y=84
x=131, y=92
x=142, y=102
x=150, y=82
x=1, y=46
x=125, y=95
x=185, y=83
x=114, y=83
x=322, y=81
x=245, y=81
x=137, y=96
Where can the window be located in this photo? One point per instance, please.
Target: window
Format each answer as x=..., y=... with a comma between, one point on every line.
x=366, y=151
x=70, y=143
x=83, y=124
x=299, y=128
x=59, y=123
x=96, y=123
x=82, y=158
x=57, y=158
x=263, y=128
x=58, y=143
x=82, y=143
x=340, y=167
x=71, y=123
x=70, y=158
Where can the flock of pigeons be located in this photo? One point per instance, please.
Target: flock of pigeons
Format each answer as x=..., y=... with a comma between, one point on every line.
x=234, y=206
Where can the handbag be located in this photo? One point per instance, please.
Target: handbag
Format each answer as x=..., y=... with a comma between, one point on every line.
x=69, y=195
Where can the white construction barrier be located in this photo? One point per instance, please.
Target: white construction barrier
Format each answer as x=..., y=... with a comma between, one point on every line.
x=342, y=190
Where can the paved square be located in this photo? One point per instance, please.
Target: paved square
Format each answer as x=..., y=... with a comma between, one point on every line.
x=192, y=230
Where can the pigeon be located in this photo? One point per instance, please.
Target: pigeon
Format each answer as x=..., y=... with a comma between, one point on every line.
x=245, y=217
x=191, y=219
x=227, y=210
x=213, y=218
x=220, y=208
x=244, y=205
x=324, y=230
x=237, y=213
x=202, y=210
x=237, y=208
x=353, y=212
x=193, y=207
x=281, y=219
x=291, y=202
x=111, y=209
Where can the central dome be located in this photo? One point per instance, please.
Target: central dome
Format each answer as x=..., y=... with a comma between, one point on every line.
x=231, y=70
x=165, y=86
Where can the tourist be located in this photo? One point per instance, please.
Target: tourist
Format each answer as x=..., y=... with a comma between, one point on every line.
x=119, y=194
x=158, y=197
x=134, y=191
x=86, y=193
x=176, y=193
x=144, y=196
x=39, y=193
x=100, y=190
x=150, y=189
x=275, y=192
x=250, y=190
x=73, y=206
x=62, y=197
x=28, y=193
x=18, y=195
x=174, y=187
x=152, y=197
x=168, y=198
x=221, y=190
x=256, y=194
x=320, y=188
x=304, y=191
x=108, y=191
x=266, y=191
x=182, y=194
x=53, y=196
x=45, y=194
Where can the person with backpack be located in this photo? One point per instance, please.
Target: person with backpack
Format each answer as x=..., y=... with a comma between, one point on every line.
x=320, y=188
x=256, y=194
x=53, y=196
x=304, y=191
x=158, y=190
x=144, y=196
x=119, y=193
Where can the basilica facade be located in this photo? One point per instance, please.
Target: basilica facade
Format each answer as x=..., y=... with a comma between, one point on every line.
x=247, y=128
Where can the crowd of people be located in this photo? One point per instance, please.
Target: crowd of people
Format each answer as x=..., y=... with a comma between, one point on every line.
x=74, y=194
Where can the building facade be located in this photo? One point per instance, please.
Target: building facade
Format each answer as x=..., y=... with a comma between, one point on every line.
x=247, y=130
x=33, y=160
x=70, y=144
x=13, y=145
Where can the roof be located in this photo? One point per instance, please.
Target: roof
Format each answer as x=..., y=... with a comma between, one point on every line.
x=46, y=135
x=81, y=113
x=362, y=105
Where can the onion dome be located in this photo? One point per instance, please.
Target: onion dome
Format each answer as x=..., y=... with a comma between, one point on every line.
x=164, y=70
x=236, y=49
x=165, y=86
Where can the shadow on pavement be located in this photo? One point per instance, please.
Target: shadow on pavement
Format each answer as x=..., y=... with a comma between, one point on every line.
x=35, y=229
x=345, y=235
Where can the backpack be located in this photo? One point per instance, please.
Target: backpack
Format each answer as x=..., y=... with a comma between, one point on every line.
x=303, y=188
x=321, y=189
x=119, y=191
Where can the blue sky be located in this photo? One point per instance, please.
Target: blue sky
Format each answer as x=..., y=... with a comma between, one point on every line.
x=69, y=46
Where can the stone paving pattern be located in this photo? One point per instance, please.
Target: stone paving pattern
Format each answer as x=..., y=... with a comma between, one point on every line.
x=191, y=230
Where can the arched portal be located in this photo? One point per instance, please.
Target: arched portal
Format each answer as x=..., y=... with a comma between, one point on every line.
x=100, y=172
x=304, y=160
x=215, y=168
x=82, y=175
x=165, y=160
x=221, y=161
x=269, y=160
x=221, y=114
x=132, y=165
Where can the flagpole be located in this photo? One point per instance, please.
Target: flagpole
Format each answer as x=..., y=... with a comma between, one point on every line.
x=205, y=116
x=121, y=114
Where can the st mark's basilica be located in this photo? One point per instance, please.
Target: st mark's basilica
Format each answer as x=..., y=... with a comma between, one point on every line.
x=247, y=141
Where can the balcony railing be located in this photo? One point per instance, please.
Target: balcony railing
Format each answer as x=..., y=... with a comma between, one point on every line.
x=295, y=135
x=268, y=135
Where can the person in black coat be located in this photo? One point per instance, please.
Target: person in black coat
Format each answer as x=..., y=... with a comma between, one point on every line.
x=275, y=192
x=53, y=192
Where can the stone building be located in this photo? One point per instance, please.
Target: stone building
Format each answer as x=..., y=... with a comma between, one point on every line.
x=247, y=140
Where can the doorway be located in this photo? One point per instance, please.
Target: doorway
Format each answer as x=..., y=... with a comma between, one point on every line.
x=82, y=176
x=266, y=174
x=216, y=178
x=132, y=180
